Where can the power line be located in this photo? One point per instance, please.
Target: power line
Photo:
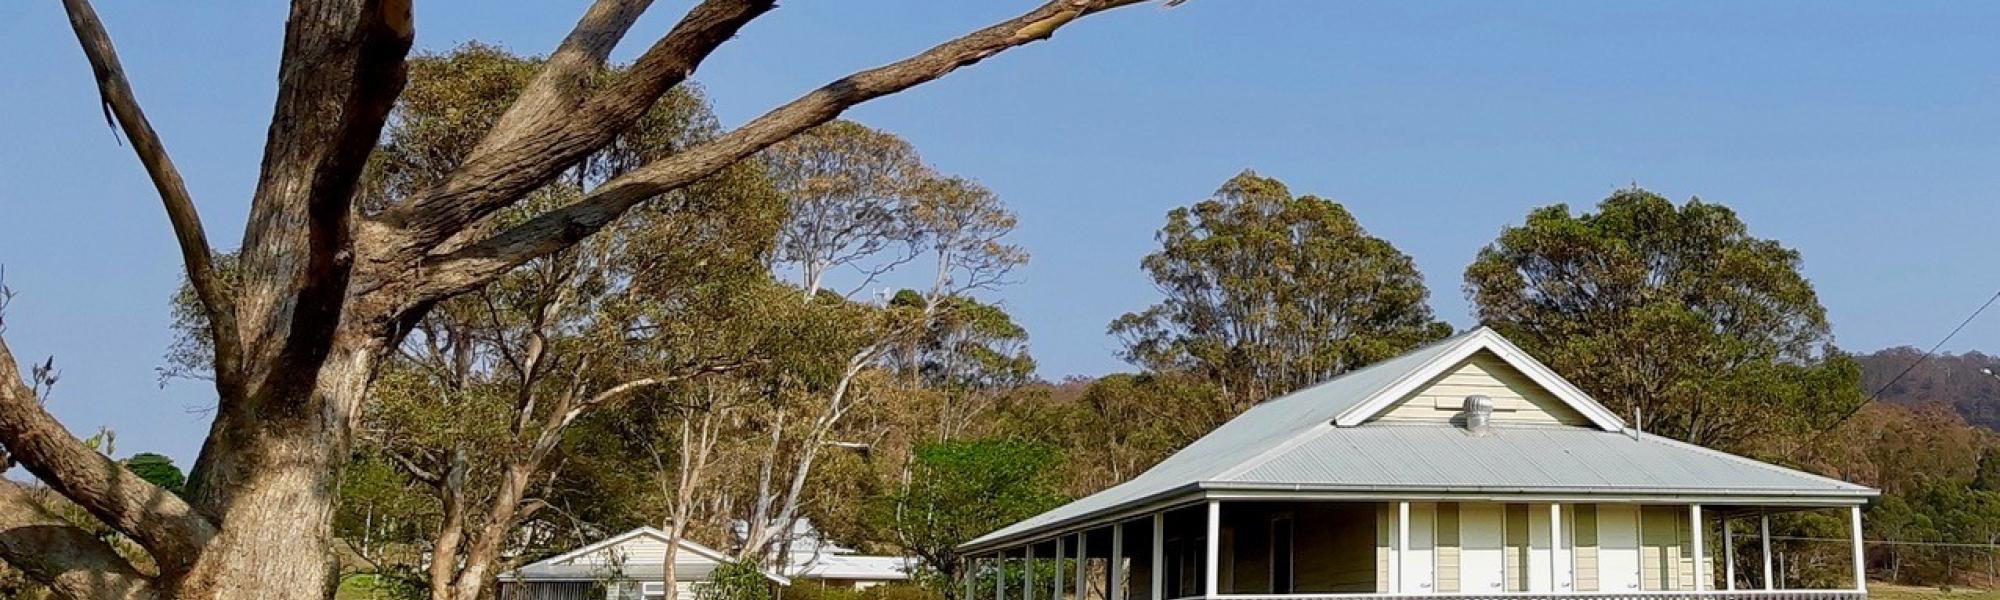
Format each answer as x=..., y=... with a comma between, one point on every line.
x=1889, y=542
x=1906, y=370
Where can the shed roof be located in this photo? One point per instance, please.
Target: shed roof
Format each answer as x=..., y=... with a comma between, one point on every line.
x=1321, y=439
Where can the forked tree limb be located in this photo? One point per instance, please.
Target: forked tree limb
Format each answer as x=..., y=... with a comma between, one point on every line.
x=157, y=519
x=558, y=121
x=480, y=262
x=561, y=83
x=342, y=70
x=72, y=562
x=115, y=93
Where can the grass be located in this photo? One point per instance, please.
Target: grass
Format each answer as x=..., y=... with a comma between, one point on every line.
x=1884, y=591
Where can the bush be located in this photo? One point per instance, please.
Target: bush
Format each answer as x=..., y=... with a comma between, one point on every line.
x=813, y=590
x=741, y=580
x=899, y=591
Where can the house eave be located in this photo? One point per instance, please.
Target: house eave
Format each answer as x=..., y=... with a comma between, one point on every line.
x=1193, y=493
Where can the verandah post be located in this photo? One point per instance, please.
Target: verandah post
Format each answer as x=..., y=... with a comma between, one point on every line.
x=971, y=565
x=1396, y=559
x=1556, y=583
x=1213, y=567
x=1116, y=571
x=1028, y=572
x=1056, y=586
x=1159, y=568
x=1860, y=558
x=1695, y=527
x=1000, y=575
x=1082, y=565
x=1764, y=531
x=1728, y=555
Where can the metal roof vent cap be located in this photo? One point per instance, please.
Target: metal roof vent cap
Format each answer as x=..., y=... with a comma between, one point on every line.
x=1478, y=415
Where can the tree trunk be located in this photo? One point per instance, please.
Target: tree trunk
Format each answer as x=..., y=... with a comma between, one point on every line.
x=272, y=486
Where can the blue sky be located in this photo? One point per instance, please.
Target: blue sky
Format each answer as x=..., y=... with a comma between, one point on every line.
x=1865, y=136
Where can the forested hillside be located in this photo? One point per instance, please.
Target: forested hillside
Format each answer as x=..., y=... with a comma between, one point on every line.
x=1969, y=383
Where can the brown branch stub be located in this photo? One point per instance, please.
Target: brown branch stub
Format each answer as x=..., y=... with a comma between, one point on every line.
x=159, y=520
x=115, y=94
x=479, y=262
x=70, y=561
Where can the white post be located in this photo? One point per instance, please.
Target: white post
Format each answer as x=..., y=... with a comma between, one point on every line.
x=1764, y=531
x=1556, y=582
x=1116, y=590
x=1056, y=586
x=1728, y=555
x=970, y=567
x=1396, y=562
x=1695, y=527
x=1000, y=575
x=1027, y=569
x=1213, y=568
x=1159, y=570
x=1860, y=558
x=1082, y=565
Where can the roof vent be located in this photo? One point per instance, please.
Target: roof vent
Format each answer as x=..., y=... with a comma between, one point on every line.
x=1478, y=414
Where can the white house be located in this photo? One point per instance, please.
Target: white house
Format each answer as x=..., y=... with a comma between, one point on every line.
x=1463, y=468
x=627, y=566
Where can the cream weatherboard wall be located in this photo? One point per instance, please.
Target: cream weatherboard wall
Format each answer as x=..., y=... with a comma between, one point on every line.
x=1483, y=548
x=1516, y=399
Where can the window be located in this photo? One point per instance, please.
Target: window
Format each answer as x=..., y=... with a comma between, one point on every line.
x=653, y=589
x=1281, y=554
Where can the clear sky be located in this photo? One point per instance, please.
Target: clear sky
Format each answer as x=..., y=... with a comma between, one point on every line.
x=1867, y=137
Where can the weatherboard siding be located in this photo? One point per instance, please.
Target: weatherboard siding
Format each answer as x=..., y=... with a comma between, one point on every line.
x=1516, y=399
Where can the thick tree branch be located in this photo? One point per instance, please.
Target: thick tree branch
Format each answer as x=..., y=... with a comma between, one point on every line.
x=559, y=87
x=70, y=561
x=116, y=95
x=171, y=530
x=477, y=263
x=342, y=69
x=555, y=122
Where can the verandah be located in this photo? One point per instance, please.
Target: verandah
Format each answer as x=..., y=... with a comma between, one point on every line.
x=1251, y=549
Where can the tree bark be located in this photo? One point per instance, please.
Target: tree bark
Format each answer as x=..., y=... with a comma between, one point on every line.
x=274, y=490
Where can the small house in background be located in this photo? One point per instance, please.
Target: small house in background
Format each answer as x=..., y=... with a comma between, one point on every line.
x=627, y=566
x=1463, y=468
x=812, y=559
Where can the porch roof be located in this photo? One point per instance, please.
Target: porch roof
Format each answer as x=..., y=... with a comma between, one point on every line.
x=1319, y=440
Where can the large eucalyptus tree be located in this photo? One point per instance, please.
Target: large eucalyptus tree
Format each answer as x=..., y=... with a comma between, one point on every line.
x=324, y=289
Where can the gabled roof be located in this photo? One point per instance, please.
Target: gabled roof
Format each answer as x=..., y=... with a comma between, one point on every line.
x=1321, y=438
x=695, y=564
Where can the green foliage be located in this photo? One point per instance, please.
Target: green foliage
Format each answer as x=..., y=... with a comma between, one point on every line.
x=736, y=580
x=813, y=590
x=959, y=490
x=1267, y=292
x=158, y=470
x=899, y=591
x=1676, y=312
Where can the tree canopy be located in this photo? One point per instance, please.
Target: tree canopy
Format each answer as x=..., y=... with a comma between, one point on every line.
x=1673, y=315
x=1267, y=292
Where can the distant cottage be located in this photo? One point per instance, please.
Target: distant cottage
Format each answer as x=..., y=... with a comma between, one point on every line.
x=1463, y=468
x=630, y=566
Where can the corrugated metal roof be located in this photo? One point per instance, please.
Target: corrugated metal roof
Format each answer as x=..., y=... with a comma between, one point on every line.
x=1292, y=442
x=853, y=566
x=1245, y=437
x=1416, y=456
x=684, y=571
